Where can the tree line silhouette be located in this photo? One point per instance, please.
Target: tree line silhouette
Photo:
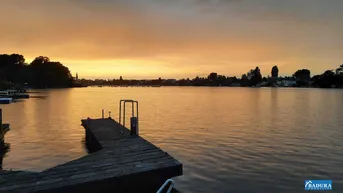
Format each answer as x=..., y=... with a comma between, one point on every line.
x=253, y=78
x=43, y=73
x=40, y=73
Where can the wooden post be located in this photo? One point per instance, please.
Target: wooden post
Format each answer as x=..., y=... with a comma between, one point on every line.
x=1, y=131
x=2, y=141
x=103, y=116
x=134, y=126
x=2, y=134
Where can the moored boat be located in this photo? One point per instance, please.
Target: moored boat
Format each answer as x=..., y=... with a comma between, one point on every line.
x=6, y=100
x=14, y=94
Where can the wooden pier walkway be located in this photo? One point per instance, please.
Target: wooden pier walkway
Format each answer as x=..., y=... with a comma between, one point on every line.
x=121, y=163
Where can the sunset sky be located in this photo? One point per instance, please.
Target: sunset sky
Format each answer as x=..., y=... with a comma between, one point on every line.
x=175, y=38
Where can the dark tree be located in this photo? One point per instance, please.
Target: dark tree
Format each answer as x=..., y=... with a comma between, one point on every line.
x=275, y=72
x=213, y=79
x=244, y=80
x=325, y=80
x=222, y=80
x=339, y=70
x=199, y=81
x=183, y=82
x=233, y=80
x=40, y=60
x=302, y=77
x=329, y=78
x=12, y=68
x=213, y=76
x=339, y=76
x=254, y=76
x=46, y=74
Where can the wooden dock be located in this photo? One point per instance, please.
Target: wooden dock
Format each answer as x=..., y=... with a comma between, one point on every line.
x=121, y=162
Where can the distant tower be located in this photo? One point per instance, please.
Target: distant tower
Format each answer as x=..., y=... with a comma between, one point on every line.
x=77, y=76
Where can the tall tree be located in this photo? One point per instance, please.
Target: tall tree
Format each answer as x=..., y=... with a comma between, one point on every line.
x=49, y=74
x=213, y=77
x=275, y=72
x=302, y=77
x=253, y=77
x=256, y=76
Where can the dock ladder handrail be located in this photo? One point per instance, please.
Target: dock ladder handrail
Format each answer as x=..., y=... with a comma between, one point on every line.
x=123, y=102
x=165, y=184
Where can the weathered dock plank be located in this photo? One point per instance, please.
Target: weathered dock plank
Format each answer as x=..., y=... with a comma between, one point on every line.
x=122, y=163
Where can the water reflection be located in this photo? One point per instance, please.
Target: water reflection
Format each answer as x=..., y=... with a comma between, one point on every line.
x=229, y=139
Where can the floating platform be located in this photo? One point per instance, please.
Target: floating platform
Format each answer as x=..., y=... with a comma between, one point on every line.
x=6, y=100
x=121, y=162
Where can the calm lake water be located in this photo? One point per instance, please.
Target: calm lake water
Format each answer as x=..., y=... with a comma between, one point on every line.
x=229, y=139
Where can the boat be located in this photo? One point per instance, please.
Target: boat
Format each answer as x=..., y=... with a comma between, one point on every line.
x=6, y=100
x=14, y=94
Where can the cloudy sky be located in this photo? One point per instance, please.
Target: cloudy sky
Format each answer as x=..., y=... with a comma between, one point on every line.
x=175, y=38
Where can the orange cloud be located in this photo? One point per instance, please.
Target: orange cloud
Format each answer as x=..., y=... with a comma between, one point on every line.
x=147, y=38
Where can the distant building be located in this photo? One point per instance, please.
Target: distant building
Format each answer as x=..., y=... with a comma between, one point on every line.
x=264, y=83
x=287, y=83
x=77, y=81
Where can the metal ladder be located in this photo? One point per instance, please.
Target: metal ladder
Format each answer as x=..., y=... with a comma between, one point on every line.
x=169, y=181
x=134, y=119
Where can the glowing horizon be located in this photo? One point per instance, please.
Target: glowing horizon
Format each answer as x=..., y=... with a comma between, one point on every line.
x=175, y=39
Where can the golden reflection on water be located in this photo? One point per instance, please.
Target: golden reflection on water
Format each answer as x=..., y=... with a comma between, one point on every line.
x=223, y=136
